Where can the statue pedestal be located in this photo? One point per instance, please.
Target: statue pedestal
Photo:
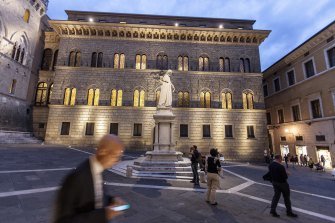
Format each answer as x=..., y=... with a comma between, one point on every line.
x=163, y=161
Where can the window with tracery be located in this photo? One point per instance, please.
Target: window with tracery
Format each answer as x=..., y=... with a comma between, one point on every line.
x=183, y=63
x=116, y=98
x=41, y=93
x=119, y=61
x=139, y=98
x=227, y=100
x=141, y=61
x=93, y=96
x=205, y=99
x=203, y=63
x=162, y=62
x=248, y=100
x=183, y=99
x=47, y=58
x=74, y=59
x=70, y=96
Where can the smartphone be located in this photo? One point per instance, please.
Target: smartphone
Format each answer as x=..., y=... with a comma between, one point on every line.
x=121, y=207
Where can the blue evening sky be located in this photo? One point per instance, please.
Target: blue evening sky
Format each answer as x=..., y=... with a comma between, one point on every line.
x=291, y=21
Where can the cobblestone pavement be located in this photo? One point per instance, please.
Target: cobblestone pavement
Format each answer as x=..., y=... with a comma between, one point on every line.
x=31, y=174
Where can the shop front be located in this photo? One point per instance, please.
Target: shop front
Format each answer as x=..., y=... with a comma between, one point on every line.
x=284, y=150
x=324, y=150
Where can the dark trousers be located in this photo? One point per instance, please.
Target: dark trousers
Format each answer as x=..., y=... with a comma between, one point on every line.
x=278, y=189
x=195, y=172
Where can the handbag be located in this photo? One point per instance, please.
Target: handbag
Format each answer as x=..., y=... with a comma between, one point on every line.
x=267, y=177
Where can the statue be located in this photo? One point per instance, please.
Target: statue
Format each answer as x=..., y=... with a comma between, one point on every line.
x=165, y=97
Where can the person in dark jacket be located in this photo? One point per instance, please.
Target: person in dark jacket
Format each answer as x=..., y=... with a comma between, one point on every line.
x=213, y=168
x=81, y=198
x=279, y=181
x=194, y=164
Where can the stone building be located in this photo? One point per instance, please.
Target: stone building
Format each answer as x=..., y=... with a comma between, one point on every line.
x=21, y=44
x=299, y=94
x=99, y=75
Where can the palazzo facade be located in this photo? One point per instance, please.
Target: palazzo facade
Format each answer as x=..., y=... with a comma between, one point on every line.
x=99, y=75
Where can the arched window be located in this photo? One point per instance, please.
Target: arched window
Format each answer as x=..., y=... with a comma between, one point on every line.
x=22, y=56
x=41, y=94
x=46, y=61
x=50, y=92
x=247, y=65
x=242, y=65
x=183, y=99
x=74, y=59
x=70, y=96
x=55, y=60
x=100, y=59
x=248, y=100
x=139, y=98
x=17, y=54
x=183, y=63
x=227, y=64
x=203, y=63
x=162, y=62
x=93, y=96
x=221, y=64
x=141, y=62
x=205, y=99
x=227, y=100
x=116, y=97
x=26, y=16
x=94, y=59
x=12, y=87
x=119, y=61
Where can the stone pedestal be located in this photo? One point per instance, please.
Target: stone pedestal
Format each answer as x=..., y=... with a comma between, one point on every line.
x=163, y=161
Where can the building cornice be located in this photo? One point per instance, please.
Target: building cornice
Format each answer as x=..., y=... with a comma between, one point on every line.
x=78, y=29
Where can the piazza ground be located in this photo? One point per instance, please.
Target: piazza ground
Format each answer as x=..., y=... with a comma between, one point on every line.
x=31, y=174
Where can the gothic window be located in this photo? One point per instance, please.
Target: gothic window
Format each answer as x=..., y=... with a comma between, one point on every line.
x=41, y=94
x=248, y=100
x=139, y=98
x=12, y=87
x=203, y=63
x=242, y=65
x=119, y=61
x=141, y=61
x=183, y=99
x=55, y=60
x=183, y=63
x=100, y=59
x=22, y=56
x=116, y=98
x=227, y=64
x=93, y=97
x=205, y=99
x=14, y=51
x=46, y=61
x=227, y=102
x=17, y=55
x=162, y=62
x=50, y=92
x=221, y=64
x=74, y=59
x=70, y=96
x=26, y=16
x=247, y=65
x=94, y=59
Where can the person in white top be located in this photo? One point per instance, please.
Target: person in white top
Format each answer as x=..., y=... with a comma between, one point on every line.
x=81, y=198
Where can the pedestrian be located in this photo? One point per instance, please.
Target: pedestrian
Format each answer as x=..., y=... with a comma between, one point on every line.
x=305, y=160
x=213, y=168
x=194, y=164
x=323, y=161
x=311, y=163
x=286, y=160
x=279, y=182
x=81, y=197
x=301, y=160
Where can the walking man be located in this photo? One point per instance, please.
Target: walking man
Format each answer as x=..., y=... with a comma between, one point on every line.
x=280, y=186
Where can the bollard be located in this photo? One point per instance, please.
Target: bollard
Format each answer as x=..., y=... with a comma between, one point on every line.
x=129, y=172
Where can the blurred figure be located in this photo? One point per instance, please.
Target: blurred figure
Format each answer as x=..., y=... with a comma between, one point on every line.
x=194, y=164
x=279, y=181
x=286, y=160
x=81, y=198
x=213, y=168
x=323, y=161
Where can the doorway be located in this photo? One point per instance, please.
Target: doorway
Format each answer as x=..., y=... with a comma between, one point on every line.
x=284, y=150
x=324, y=150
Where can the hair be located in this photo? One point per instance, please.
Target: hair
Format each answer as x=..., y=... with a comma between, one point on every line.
x=277, y=157
x=195, y=147
x=213, y=152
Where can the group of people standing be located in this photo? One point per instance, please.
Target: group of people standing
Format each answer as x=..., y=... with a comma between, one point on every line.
x=211, y=166
x=304, y=160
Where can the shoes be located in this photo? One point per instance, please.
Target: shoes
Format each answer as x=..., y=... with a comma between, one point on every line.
x=214, y=204
x=274, y=214
x=291, y=214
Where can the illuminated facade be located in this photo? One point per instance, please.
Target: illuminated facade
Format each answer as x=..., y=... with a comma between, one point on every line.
x=21, y=25
x=299, y=94
x=102, y=66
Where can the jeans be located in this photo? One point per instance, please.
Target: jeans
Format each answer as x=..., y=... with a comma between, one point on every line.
x=278, y=189
x=195, y=173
